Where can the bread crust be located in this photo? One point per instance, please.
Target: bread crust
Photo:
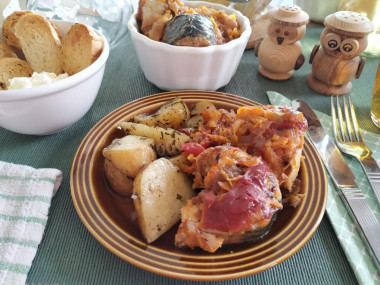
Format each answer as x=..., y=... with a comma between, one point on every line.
x=39, y=42
x=81, y=46
x=6, y=50
x=8, y=27
x=13, y=67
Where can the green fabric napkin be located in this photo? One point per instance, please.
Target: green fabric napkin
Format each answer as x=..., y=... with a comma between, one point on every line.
x=353, y=246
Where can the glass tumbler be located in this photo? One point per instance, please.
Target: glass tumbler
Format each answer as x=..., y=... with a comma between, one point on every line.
x=375, y=106
x=110, y=17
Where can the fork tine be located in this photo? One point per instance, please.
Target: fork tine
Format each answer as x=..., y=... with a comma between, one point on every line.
x=341, y=121
x=335, y=121
x=348, y=121
x=354, y=121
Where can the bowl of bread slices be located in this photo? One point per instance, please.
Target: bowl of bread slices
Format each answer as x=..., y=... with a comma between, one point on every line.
x=50, y=72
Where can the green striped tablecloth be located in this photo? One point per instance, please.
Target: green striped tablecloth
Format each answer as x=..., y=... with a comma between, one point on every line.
x=69, y=254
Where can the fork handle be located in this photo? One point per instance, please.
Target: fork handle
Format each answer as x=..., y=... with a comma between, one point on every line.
x=372, y=170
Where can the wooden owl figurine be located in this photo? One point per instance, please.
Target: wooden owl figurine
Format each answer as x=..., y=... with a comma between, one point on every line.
x=280, y=52
x=338, y=61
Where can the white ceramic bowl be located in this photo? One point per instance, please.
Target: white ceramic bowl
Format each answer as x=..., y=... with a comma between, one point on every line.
x=49, y=108
x=172, y=67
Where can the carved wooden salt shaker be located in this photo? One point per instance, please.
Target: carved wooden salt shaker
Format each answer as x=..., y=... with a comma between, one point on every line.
x=280, y=52
x=337, y=62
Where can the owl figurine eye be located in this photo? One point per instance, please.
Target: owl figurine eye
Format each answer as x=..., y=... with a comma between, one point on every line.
x=275, y=30
x=349, y=46
x=290, y=33
x=333, y=44
x=331, y=41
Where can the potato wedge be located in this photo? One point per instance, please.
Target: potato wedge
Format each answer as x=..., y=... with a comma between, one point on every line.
x=194, y=121
x=180, y=161
x=167, y=140
x=200, y=106
x=159, y=192
x=172, y=114
x=119, y=182
x=130, y=154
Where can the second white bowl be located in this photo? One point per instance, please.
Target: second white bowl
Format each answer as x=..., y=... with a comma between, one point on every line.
x=172, y=67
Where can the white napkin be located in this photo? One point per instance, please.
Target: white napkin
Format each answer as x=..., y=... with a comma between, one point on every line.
x=25, y=197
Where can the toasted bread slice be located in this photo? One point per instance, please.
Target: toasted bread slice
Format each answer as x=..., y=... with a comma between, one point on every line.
x=6, y=50
x=13, y=67
x=40, y=43
x=81, y=46
x=8, y=28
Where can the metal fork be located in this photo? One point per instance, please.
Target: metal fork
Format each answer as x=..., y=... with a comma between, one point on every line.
x=350, y=141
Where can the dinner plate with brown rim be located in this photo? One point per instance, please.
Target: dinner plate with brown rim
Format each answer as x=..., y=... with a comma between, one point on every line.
x=111, y=219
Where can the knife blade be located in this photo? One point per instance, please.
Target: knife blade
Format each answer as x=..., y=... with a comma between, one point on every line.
x=344, y=180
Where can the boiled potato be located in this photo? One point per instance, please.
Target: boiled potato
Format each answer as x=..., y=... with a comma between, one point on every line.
x=200, y=106
x=172, y=114
x=130, y=154
x=167, y=141
x=159, y=192
x=119, y=182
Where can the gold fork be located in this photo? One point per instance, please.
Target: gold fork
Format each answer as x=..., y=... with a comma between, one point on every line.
x=350, y=141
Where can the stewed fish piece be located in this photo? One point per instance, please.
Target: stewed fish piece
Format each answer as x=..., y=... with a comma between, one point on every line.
x=239, y=202
x=190, y=30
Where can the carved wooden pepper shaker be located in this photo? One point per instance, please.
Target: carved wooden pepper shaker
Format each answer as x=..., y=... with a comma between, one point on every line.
x=338, y=61
x=280, y=52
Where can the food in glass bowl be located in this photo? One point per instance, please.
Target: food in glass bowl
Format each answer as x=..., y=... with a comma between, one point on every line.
x=243, y=167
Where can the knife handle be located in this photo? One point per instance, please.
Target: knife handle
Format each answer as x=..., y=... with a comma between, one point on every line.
x=372, y=170
x=365, y=219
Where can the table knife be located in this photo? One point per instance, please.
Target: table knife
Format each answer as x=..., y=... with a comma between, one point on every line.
x=344, y=179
